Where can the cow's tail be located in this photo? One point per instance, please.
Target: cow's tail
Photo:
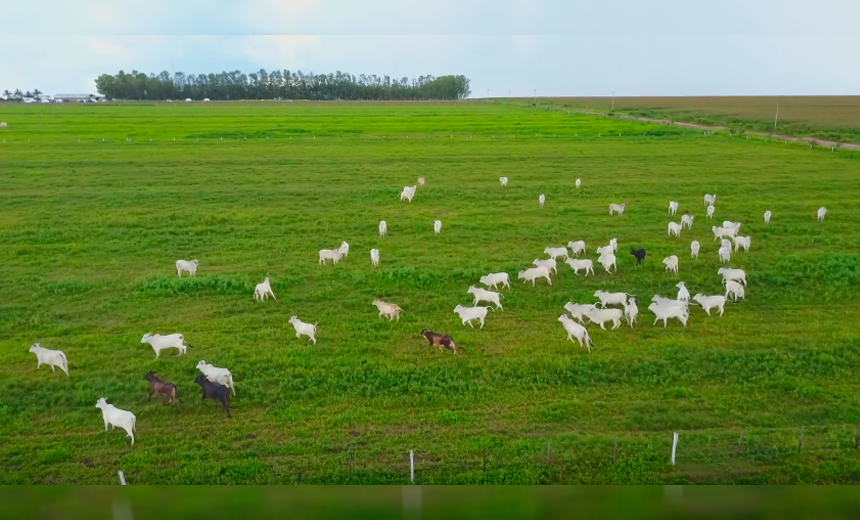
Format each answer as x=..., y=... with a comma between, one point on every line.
x=232, y=384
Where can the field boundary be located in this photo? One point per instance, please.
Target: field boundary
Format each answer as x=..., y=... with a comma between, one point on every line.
x=714, y=128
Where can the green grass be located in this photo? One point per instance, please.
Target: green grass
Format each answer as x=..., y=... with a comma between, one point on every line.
x=90, y=233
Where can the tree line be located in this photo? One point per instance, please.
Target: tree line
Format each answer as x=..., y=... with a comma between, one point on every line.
x=279, y=85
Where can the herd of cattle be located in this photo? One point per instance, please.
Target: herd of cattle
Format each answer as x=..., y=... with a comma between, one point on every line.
x=611, y=307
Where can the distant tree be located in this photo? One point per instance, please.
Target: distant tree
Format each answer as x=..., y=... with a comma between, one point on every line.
x=37, y=94
x=7, y=95
x=279, y=84
x=17, y=95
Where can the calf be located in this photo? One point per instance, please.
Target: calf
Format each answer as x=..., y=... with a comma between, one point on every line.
x=214, y=391
x=443, y=341
x=157, y=386
x=422, y=181
x=639, y=254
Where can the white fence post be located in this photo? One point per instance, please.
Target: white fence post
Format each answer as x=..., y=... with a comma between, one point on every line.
x=411, y=467
x=674, y=447
x=121, y=477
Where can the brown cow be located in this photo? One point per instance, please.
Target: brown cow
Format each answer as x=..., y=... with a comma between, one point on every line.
x=157, y=386
x=440, y=340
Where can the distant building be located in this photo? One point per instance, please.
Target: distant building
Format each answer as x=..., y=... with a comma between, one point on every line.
x=79, y=98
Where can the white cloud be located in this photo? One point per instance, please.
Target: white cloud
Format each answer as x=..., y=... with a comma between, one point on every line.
x=274, y=51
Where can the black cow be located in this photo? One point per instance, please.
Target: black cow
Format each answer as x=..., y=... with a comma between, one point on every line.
x=440, y=340
x=639, y=254
x=214, y=391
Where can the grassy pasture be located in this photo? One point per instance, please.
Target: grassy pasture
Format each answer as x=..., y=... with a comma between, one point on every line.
x=828, y=117
x=90, y=233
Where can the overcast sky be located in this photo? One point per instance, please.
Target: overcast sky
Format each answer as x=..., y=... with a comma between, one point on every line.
x=559, y=47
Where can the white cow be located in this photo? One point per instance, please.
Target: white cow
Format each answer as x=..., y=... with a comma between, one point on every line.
x=408, y=193
x=389, y=310
x=329, y=254
x=671, y=263
x=533, y=274
x=720, y=232
x=422, y=181
x=343, y=249
x=614, y=243
x=222, y=376
x=186, y=265
x=733, y=225
x=710, y=212
x=710, y=199
x=675, y=229
x=607, y=261
x=52, y=358
x=114, y=417
x=542, y=199
x=494, y=279
x=673, y=207
x=383, y=228
x=575, y=330
x=576, y=265
x=683, y=293
x=304, y=329
x=743, y=242
x=664, y=312
x=709, y=302
x=617, y=208
x=822, y=213
x=601, y=316
x=577, y=247
x=694, y=248
x=159, y=342
x=687, y=220
x=767, y=215
x=469, y=314
x=735, y=289
x=608, y=298
x=631, y=311
x=263, y=290
x=437, y=226
x=549, y=263
x=504, y=181
x=737, y=275
x=374, y=257
x=725, y=254
x=605, y=250
x=483, y=295
x=556, y=252
x=576, y=310
x=578, y=183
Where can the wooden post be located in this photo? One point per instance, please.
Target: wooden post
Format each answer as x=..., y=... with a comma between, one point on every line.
x=674, y=447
